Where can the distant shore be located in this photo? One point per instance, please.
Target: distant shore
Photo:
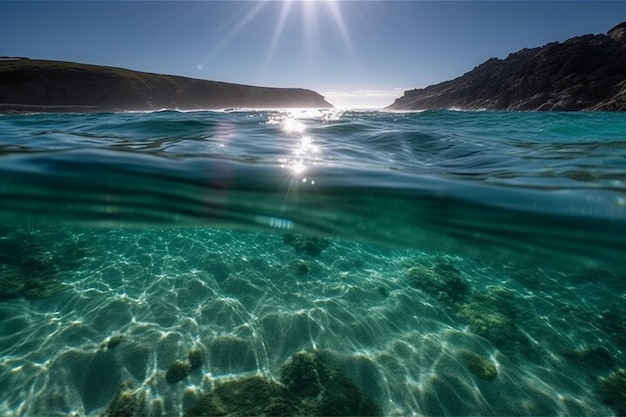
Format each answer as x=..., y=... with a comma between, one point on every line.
x=30, y=85
x=583, y=73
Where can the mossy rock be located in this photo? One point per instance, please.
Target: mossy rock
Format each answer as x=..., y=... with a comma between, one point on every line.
x=612, y=321
x=301, y=375
x=341, y=397
x=323, y=389
x=499, y=329
x=443, y=282
x=245, y=396
x=492, y=314
x=612, y=391
x=594, y=356
x=31, y=269
x=195, y=358
x=127, y=403
x=14, y=283
x=311, y=245
x=177, y=371
x=114, y=341
x=309, y=386
x=207, y=405
x=11, y=282
x=488, y=323
x=301, y=267
x=180, y=369
x=481, y=366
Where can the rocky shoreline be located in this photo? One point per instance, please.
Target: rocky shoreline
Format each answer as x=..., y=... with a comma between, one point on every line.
x=28, y=85
x=582, y=73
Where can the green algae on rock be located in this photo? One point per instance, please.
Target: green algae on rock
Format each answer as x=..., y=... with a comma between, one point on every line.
x=443, y=282
x=612, y=391
x=301, y=375
x=308, y=386
x=114, y=341
x=195, y=358
x=301, y=267
x=127, y=403
x=594, y=356
x=177, y=371
x=481, y=366
x=246, y=396
x=492, y=314
x=311, y=245
x=31, y=269
x=180, y=369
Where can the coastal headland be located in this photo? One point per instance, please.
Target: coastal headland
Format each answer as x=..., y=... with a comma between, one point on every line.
x=29, y=85
x=582, y=73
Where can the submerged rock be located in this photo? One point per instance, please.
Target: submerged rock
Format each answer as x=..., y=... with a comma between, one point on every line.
x=301, y=375
x=308, y=386
x=31, y=269
x=301, y=267
x=594, y=356
x=245, y=396
x=311, y=245
x=323, y=389
x=481, y=366
x=492, y=314
x=612, y=391
x=612, y=321
x=33, y=278
x=180, y=369
x=127, y=403
x=114, y=341
x=177, y=371
x=443, y=282
x=195, y=358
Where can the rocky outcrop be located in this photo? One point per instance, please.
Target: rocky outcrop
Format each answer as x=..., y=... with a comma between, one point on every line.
x=583, y=73
x=38, y=85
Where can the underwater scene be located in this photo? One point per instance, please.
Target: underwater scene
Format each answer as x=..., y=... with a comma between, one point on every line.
x=312, y=263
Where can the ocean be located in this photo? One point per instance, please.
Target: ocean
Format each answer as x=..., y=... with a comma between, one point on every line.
x=312, y=262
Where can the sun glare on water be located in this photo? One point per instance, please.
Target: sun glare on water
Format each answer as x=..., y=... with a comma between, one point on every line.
x=305, y=152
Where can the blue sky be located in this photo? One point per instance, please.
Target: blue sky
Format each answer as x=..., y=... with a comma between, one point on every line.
x=355, y=53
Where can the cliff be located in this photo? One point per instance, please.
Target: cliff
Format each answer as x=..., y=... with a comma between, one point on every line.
x=583, y=73
x=52, y=86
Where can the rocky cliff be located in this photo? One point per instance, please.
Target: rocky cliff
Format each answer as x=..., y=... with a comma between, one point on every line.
x=583, y=73
x=38, y=85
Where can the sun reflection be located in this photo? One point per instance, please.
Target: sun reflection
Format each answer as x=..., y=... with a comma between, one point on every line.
x=306, y=147
x=305, y=153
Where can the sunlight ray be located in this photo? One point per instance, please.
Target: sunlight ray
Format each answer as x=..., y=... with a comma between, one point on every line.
x=337, y=16
x=239, y=26
x=278, y=31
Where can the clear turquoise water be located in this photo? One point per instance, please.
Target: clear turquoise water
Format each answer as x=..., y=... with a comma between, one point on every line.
x=495, y=233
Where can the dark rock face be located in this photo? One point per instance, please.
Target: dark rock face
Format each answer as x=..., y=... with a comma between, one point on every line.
x=40, y=86
x=582, y=73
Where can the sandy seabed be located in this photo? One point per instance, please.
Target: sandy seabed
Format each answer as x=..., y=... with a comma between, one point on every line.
x=95, y=319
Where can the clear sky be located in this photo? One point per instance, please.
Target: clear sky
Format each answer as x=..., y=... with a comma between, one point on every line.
x=355, y=53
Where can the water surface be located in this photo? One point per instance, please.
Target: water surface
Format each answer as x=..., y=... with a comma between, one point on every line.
x=438, y=262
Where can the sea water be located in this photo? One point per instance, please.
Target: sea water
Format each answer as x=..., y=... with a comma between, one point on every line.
x=312, y=262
